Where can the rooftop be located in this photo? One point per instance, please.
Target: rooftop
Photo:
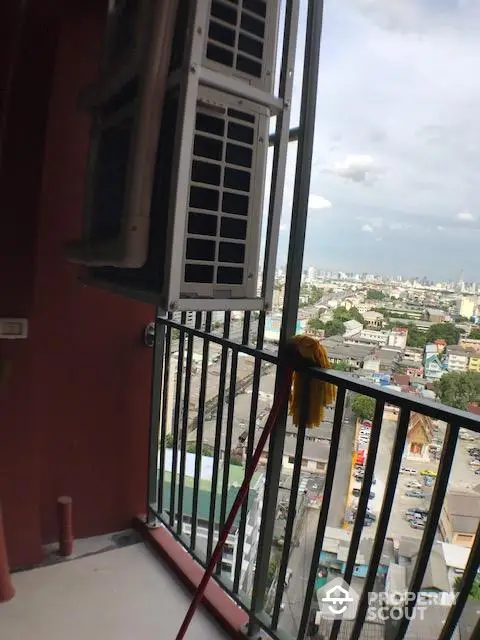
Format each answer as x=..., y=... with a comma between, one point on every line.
x=436, y=575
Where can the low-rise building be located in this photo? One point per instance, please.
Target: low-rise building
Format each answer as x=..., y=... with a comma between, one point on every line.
x=254, y=508
x=398, y=337
x=435, y=580
x=373, y=319
x=419, y=437
x=352, y=355
x=412, y=368
x=435, y=362
x=474, y=363
x=414, y=353
x=435, y=315
x=352, y=328
x=372, y=363
x=460, y=516
x=389, y=358
x=375, y=337
x=457, y=358
x=470, y=343
x=314, y=458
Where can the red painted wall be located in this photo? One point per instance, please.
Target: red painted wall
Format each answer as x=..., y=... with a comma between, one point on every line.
x=74, y=408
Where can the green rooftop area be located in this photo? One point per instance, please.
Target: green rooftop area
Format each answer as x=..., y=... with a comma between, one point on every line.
x=235, y=479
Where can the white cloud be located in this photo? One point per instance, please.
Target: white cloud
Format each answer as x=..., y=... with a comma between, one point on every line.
x=359, y=168
x=466, y=216
x=318, y=202
x=374, y=223
x=398, y=114
x=398, y=226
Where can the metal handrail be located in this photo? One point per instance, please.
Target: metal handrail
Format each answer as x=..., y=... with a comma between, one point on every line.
x=345, y=382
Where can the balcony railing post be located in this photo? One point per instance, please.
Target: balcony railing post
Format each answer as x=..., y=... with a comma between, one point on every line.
x=292, y=287
x=155, y=402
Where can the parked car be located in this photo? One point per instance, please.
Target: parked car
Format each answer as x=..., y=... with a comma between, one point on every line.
x=428, y=472
x=408, y=470
x=356, y=493
x=475, y=463
x=477, y=472
x=415, y=494
x=417, y=525
x=360, y=478
x=414, y=484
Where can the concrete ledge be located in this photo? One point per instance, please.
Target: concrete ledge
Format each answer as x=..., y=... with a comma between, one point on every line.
x=217, y=602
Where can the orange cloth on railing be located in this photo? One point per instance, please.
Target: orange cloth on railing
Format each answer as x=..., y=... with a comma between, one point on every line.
x=321, y=394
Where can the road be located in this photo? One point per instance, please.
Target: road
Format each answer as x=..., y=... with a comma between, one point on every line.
x=301, y=556
x=300, y=561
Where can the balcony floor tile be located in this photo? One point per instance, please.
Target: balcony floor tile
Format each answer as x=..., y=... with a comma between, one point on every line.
x=123, y=594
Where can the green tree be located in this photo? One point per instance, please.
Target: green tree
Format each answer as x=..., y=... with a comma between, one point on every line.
x=474, y=334
x=169, y=441
x=444, y=331
x=363, y=407
x=373, y=294
x=334, y=328
x=458, y=389
x=342, y=314
x=341, y=366
x=474, y=591
x=316, y=324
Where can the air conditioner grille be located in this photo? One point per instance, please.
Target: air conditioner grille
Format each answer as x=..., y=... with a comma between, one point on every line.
x=221, y=194
x=236, y=35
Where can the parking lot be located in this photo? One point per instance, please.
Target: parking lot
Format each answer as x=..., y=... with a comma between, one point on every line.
x=462, y=475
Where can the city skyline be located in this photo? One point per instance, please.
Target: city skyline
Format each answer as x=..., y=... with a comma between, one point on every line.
x=396, y=142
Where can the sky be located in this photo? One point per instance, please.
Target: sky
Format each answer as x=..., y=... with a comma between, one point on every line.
x=395, y=182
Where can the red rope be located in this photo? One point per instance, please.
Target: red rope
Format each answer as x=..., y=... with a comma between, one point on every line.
x=272, y=420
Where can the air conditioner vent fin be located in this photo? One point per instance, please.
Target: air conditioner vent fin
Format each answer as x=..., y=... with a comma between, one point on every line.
x=236, y=36
x=221, y=211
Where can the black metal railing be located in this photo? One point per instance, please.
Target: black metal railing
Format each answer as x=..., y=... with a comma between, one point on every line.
x=195, y=488
x=209, y=376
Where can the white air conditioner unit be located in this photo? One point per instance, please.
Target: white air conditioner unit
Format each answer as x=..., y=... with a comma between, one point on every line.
x=208, y=177
x=216, y=211
x=126, y=108
x=238, y=38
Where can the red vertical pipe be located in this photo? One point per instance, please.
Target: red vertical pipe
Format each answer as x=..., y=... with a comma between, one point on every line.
x=6, y=588
x=65, y=528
